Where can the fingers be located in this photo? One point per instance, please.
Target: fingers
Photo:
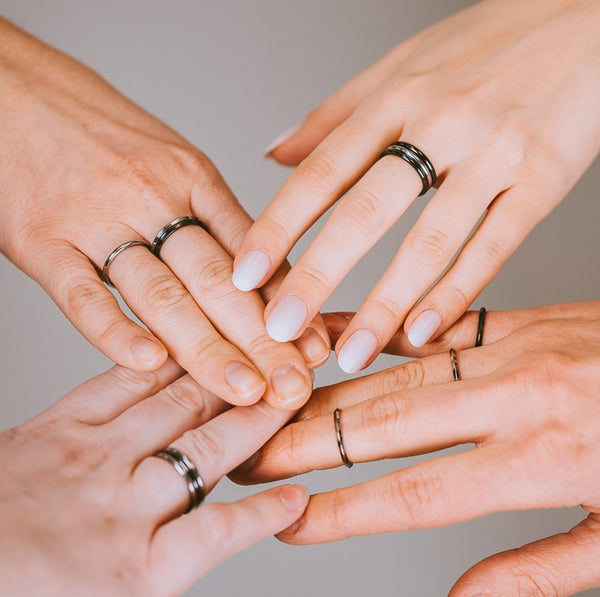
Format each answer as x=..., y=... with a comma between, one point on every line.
x=73, y=283
x=187, y=548
x=564, y=564
x=215, y=448
x=323, y=177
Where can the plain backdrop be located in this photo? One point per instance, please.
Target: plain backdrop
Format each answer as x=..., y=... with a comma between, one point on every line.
x=231, y=75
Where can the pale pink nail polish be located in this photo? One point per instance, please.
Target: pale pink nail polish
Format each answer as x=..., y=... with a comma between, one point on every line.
x=424, y=327
x=357, y=351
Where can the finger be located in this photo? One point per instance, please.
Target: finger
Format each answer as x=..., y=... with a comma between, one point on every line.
x=508, y=221
x=187, y=548
x=73, y=283
x=323, y=177
x=564, y=564
x=423, y=256
x=104, y=397
x=215, y=448
x=294, y=145
x=390, y=425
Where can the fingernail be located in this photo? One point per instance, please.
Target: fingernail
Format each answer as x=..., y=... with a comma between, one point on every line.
x=286, y=319
x=281, y=139
x=245, y=382
x=289, y=384
x=251, y=270
x=424, y=327
x=357, y=351
x=148, y=351
x=294, y=497
x=313, y=348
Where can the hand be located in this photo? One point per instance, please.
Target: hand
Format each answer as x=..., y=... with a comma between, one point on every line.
x=529, y=403
x=84, y=170
x=499, y=103
x=86, y=510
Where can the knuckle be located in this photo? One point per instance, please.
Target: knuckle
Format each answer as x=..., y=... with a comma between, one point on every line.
x=364, y=213
x=409, y=375
x=456, y=297
x=262, y=344
x=431, y=244
x=533, y=583
x=318, y=173
x=295, y=445
x=130, y=378
x=314, y=278
x=387, y=311
x=208, y=348
x=165, y=292
x=81, y=297
x=338, y=514
x=493, y=254
x=411, y=497
x=186, y=396
x=386, y=416
x=204, y=445
x=214, y=275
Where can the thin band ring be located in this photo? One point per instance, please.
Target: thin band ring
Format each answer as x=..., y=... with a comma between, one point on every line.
x=454, y=362
x=186, y=469
x=122, y=247
x=480, y=324
x=337, y=413
x=172, y=226
x=417, y=159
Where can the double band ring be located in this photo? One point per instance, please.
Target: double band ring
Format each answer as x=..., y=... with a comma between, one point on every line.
x=186, y=469
x=172, y=226
x=122, y=247
x=337, y=421
x=417, y=159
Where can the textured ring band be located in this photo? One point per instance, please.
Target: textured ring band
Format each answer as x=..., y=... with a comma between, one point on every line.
x=172, y=226
x=186, y=469
x=118, y=251
x=480, y=324
x=454, y=361
x=337, y=413
x=417, y=159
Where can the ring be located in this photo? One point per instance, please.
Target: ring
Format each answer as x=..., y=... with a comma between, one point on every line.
x=417, y=159
x=186, y=469
x=454, y=361
x=172, y=226
x=340, y=440
x=480, y=324
x=117, y=251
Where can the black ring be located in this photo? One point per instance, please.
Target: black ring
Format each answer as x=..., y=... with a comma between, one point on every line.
x=480, y=324
x=340, y=440
x=454, y=361
x=172, y=226
x=417, y=159
x=185, y=467
x=122, y=247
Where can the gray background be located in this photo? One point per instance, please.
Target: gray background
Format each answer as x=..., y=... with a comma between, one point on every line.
x=230, y=76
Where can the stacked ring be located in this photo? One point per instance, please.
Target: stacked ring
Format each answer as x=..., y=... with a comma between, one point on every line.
x=172, y=226
x=417, y=159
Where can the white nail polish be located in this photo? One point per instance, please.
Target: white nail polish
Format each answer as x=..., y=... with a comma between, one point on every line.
x=424, y=327
x=281, y=139
x=251, y=270
x=357, y=351
x=286, y=319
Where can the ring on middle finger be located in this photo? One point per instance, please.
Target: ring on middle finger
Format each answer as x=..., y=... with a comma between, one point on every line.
x=417, y=159
x=172, y=226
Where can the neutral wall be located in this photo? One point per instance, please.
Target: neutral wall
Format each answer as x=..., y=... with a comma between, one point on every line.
x=231, y=75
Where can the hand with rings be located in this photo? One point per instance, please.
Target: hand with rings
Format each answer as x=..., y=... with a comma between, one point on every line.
x=528, y=401
x=490, y=107
x=94, y=188
x=91, y=503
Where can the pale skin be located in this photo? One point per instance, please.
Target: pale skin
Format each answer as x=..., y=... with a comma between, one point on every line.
x=527, y=402
x=86, y=510
x=84, y=170
x=502, y=98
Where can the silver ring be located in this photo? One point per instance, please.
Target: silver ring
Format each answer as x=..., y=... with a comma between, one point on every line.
x=337, y=414
x=172, y=226
x=118, y=251
x=454, y=362
x=417, y=159
x=186, y=469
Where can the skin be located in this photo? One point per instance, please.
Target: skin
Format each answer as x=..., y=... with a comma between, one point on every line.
x=85, y=509
x=506, y=111
x=84, y=170
x=527, y=404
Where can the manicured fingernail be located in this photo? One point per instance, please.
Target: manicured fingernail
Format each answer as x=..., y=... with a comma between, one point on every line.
x=281, y=139
x=424, y=327
x=313, y=348
x=286, y=319
x=289, y=384
x=245, y=382
x=357, y=351
x=294, y=497
x=148, y=351
x=251, y=270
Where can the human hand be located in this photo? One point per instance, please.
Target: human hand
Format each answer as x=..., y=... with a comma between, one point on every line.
x=84, y=170
x=506, y=112
x=529, y=403
x=86, y=510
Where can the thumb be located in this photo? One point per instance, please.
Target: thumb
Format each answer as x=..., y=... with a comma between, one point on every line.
x=564, y=564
